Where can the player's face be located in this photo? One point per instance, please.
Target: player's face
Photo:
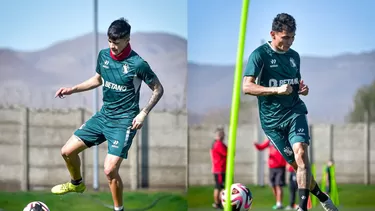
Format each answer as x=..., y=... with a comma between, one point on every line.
x=283, y=40
x=117, y=46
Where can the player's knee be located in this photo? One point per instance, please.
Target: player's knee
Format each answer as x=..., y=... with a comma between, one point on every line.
x=72, y=147
x=300, y=153
x=112, y=164
x=294, y=165
x=66, y=151
x=111, y=172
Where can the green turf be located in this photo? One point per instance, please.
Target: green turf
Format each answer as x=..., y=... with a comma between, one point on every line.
x=269, y=209
x=88, y=201
x=352, y=197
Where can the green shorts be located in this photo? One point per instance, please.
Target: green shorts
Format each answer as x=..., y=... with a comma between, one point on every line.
x=117, y=132
x=295, y=130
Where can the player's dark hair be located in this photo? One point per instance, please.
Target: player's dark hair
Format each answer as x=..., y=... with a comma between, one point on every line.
x=284, y=21
x=119, y=29
x=219, y=129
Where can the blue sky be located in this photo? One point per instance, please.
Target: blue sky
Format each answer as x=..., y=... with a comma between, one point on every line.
x=324, y=28
x=33, y=25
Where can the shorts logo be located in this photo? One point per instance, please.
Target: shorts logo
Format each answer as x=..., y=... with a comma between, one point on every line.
x=115, y=144
x=300, y=132
x=288, y=151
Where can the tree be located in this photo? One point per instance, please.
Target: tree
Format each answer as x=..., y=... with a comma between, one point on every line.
x=364, y=102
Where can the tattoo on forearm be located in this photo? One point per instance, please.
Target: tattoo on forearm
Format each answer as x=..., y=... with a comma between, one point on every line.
x=157, y=93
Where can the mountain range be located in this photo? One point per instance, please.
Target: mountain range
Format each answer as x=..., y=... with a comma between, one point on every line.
x=333, y=83
x=31, y=78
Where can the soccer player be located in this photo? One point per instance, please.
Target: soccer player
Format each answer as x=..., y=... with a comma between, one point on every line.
x=218, y=154
x=276, y=165
x=121, y=71
x=273, y=75
x=328, y=177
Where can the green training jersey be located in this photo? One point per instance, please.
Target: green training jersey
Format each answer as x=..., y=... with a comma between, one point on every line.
x=122, y=83
x=272, y=69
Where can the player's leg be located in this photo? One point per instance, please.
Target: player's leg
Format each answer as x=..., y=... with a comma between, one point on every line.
x=279, y=139
x=299, y=139
x=120, y=137
x=272, y=178
x=86, y=136
x=222, y=186
x=216, y=191
x=292, y=189
x=279, y=184
x=111, y=169
x=70, y=152
x=218, y=177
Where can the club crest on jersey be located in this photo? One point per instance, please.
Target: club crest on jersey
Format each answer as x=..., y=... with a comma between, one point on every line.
x=125, y=68
x=292, y=62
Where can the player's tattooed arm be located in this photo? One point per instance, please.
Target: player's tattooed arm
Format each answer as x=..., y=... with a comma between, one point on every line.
x=157, y=93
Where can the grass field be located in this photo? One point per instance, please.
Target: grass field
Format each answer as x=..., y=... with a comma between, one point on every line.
x=352, y=198
x=89, y=201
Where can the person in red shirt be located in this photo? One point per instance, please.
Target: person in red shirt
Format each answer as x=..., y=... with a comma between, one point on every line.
x=293, y=188
x=218, y=154
x=276, y=164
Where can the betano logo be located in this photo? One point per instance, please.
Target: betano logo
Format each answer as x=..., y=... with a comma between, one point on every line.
x=114, y=86
x=274, y=83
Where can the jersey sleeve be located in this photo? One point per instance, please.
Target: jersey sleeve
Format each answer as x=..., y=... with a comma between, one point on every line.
x=145, y=73
x=254, y=64
x=263, y=145
x=98, y=61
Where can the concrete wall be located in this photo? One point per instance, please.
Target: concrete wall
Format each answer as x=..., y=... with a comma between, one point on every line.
x=347, y=144
x=30, y=143
x=166, y=153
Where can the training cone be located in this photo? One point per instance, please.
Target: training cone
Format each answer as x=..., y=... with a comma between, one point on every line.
x=309, y=204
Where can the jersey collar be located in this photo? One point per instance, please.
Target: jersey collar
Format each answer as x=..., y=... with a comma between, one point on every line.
x=275, y=50
x=123, y=55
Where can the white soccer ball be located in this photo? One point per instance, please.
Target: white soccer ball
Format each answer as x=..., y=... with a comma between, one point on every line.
x=241, y=197
x=36, y=206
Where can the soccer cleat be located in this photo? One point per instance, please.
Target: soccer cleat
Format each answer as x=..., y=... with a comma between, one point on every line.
x=328, y=205
x=68, y=188
x=294, y=207
x=275, y=207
